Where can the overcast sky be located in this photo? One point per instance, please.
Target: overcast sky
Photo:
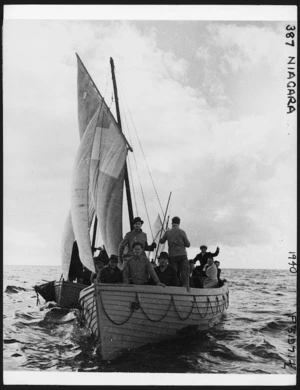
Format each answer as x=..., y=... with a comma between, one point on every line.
x=208, y=101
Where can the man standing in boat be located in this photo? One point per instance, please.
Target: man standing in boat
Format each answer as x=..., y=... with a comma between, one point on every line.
x=136, y=234
x=177, y=242
x=203, y=256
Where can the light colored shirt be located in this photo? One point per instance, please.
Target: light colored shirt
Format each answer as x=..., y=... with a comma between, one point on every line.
x=212, y=276
x=137, y=270
x=177, y=241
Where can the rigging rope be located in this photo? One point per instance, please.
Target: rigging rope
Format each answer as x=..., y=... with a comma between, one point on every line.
x=124, y=98
x=132, y=186
x=136, y=305
x=139, y=179
x=129, y=164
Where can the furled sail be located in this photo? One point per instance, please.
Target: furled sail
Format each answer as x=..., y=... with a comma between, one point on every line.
x=99, y=169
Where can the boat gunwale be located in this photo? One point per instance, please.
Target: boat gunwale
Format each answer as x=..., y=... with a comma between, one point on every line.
x=149, y=289
x=65, y=282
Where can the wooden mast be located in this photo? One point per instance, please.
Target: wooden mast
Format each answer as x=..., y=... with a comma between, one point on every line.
x=128, y=193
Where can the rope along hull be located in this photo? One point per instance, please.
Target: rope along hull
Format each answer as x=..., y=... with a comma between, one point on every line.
x=123, y=317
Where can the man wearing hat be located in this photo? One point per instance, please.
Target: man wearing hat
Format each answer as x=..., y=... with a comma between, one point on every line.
x=111, y=273
x=100, y=262
x=203, y=256
x=177, y=242
x=136, y=234
x=166, y=274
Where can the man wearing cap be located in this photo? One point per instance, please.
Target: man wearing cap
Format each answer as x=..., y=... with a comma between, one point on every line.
x=138, y=268
x=111, y=273
x=203, y=256
x=136, y=234
x=177, y=242
x=165, y=272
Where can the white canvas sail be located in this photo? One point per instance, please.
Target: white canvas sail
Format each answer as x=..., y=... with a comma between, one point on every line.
x=88, y=100
x=158, y=231
x=99, y=169
x=68, y=238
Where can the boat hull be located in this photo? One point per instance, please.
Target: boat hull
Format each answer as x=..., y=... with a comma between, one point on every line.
x=67, y=294
x=123, y=317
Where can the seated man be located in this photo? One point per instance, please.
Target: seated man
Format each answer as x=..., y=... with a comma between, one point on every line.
x=211, y=279
x=196, y=280
x=111, y=273
x=138, y=268
x=220, y=281
x=165, y=272
x=99, y=263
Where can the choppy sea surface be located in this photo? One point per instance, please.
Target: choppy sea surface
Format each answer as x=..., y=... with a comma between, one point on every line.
x=254, y=337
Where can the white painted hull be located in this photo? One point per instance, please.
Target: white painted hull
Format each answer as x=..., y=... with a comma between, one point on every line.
x=124, y=316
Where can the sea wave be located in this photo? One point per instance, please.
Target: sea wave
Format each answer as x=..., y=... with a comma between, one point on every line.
x=252, y=337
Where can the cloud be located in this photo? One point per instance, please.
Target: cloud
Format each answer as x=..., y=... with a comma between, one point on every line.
x=218, y=143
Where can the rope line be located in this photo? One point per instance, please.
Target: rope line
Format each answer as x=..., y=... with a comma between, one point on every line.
x=139, y=179
x=198, y=308
x=136, y=304
x=150, y=319
x=132, y=187
x=129, y=164
x=183, y=318
x=133, y=307
x=144, y=156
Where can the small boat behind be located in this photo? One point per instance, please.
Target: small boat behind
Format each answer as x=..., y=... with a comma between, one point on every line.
x=127, y=316
x=64, y=293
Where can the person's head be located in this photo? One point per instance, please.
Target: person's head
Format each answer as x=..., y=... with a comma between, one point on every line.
x=137, y=248
x=203, y=248
x=191, y=265
x=163, y=259
x=113, y=261
x=210, y=261
x=175, y=221
x=217, y=263
x=99, y=264
x=137, y=223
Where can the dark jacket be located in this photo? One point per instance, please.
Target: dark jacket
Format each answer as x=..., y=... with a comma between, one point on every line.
x=203, y=258
x=196, y=280
x=110, y=275
x=168, y=276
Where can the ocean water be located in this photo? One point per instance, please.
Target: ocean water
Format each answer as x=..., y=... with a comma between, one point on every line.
x=253, y=337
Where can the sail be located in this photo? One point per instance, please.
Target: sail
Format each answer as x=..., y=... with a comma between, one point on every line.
x=158, y=232
x=88, y=97
x=99, y=169
x=88, y=100
x=68, y=238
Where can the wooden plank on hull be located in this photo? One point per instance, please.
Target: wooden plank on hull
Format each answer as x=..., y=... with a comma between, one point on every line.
x=120, y=326
x=160, y=290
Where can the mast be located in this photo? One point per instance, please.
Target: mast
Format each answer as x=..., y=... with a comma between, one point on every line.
x=128, y=193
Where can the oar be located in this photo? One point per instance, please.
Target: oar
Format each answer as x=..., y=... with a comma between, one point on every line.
x=162, y=226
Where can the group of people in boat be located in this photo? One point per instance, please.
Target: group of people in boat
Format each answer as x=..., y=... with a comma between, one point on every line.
x=174, y=268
